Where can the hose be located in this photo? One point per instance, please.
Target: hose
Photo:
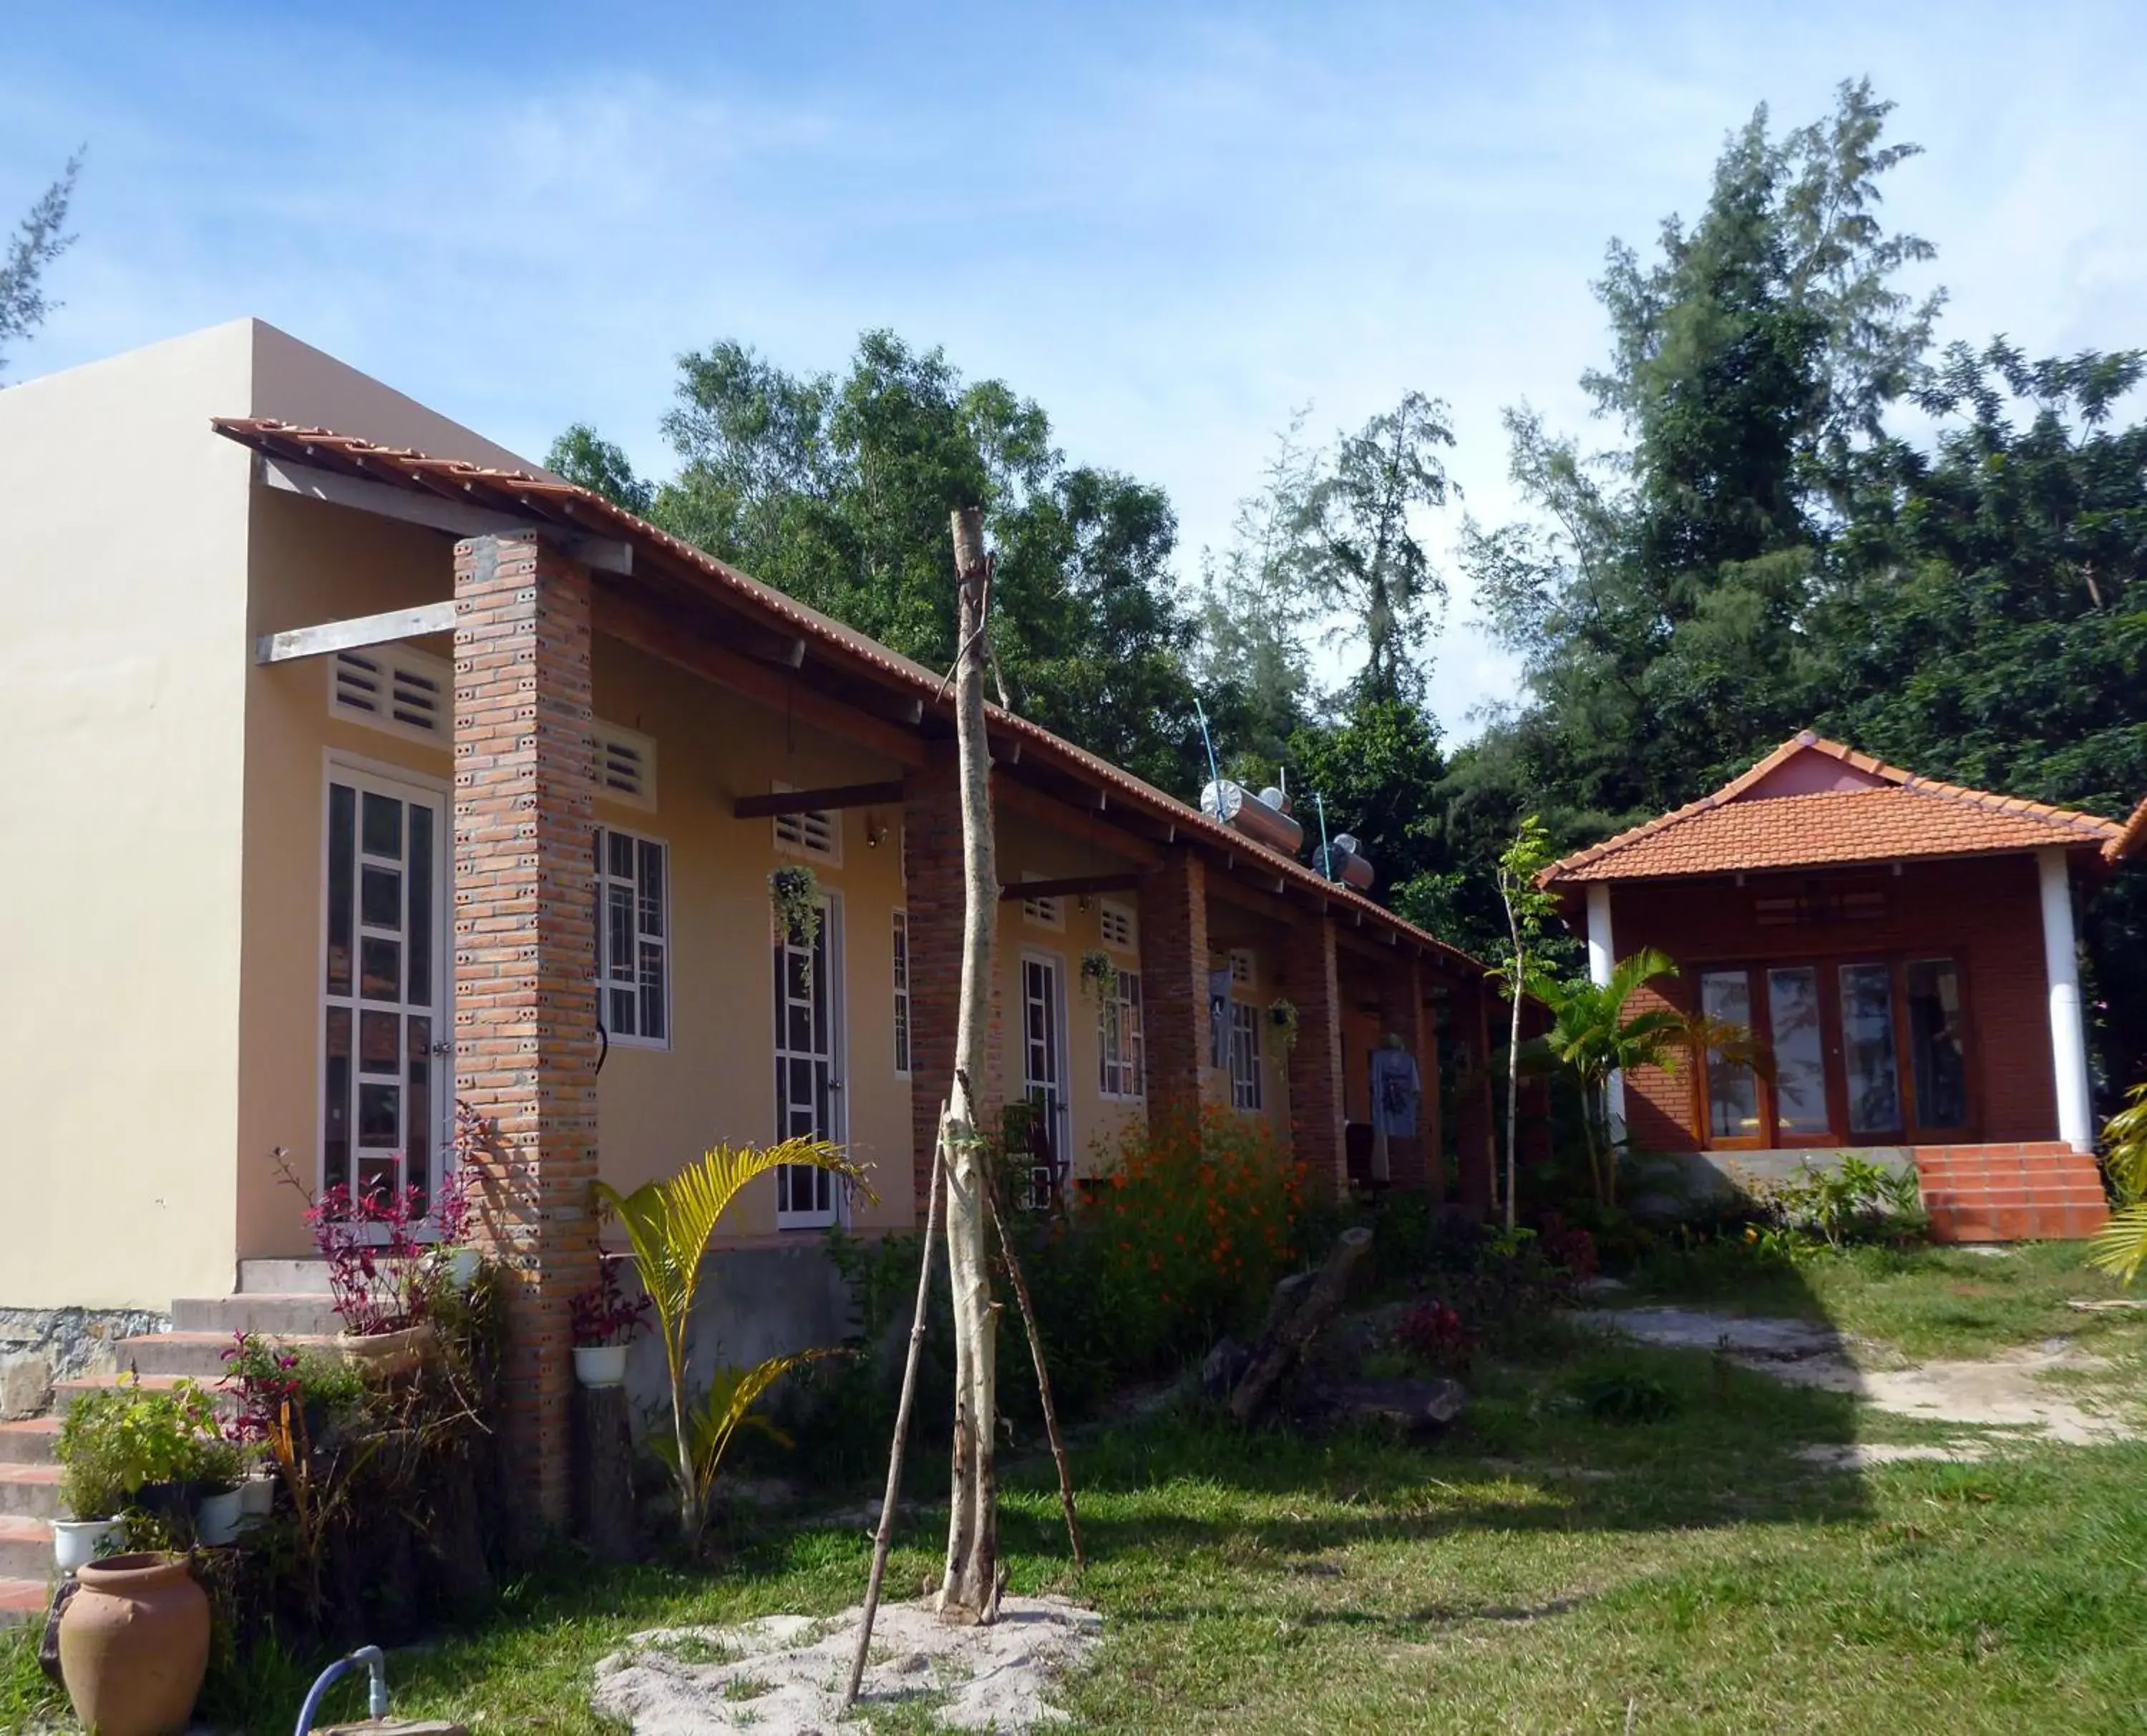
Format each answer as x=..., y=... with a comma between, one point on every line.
x=376, y=1687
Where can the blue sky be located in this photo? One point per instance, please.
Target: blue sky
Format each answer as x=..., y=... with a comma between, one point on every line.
x=1170, y=223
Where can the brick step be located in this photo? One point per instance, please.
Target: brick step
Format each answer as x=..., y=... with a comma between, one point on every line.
x=277, y=1314
x=30, y=1491
x=26, y=1549
x=22, y=1601
x=29, y=1443
x=197, y=1353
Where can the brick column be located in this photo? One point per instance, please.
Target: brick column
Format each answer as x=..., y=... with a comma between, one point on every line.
x=1312, y=980
x=525, y=970
x=1413, y=1163
x=1173, y=956
x=934, y=897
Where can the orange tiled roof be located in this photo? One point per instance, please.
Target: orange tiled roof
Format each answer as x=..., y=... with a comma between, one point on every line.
x=2132, y=841
x=1890, y=815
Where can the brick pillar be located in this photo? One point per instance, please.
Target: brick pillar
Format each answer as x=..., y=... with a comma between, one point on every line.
x=1413, y=1163
x=1475, y=1129
x=932, y=870
x=1174, y=955
x=1312, y=980
x=525, y=970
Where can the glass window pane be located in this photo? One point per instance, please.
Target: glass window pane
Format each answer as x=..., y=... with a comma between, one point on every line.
x=342, y=825
x=380, y=969
x=1935, y=1049
x=335, y=1106
x=1866, y=1048
x=652, y=992
x=1733, y=1093
x=1800, y=1051
x=380, y=1043
x=651, y=890
x=622, y=856
x=379, y=1114
x=618, y=939
x=380, y=898
x=422, y=885
x=377, y=1175
x=383, y=826
x=623, y=1009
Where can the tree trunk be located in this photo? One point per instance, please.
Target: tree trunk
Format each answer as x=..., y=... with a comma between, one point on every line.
x=1276, y=1358
x=970, y=1593
x=1513, y=1078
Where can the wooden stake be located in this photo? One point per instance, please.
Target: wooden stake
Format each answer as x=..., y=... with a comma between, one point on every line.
x=885, y=1538
x=1042, y=1379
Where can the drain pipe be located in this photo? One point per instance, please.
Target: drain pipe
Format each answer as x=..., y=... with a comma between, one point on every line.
x=376, y=1689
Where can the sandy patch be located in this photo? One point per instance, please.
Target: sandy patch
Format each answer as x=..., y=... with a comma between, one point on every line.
x=784, y=1675
x=2009, y=1391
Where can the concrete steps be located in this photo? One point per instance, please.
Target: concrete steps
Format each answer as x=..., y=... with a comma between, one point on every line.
x=26, y=1551
x=30, y=1491
x=30, y=1443
x=276, y=1314
x=197, y=1353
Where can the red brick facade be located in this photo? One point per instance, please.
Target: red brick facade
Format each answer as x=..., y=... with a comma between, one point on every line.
x=1475, y=1129
x=1311, y=978
x=525, y=967
x=1983, y=912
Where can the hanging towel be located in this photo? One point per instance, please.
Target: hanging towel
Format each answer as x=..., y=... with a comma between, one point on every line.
x=1397, y=1090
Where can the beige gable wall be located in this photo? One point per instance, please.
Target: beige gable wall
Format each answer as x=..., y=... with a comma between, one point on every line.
x=122, y=678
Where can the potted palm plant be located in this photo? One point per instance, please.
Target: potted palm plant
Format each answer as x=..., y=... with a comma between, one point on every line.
x=603, y=1324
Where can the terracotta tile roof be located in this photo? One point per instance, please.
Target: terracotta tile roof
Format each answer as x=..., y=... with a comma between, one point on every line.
x=1885, y=814
x=2132, y=840
x=527, y=497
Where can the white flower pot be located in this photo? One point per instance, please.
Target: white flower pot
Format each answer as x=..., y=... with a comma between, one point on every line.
x=76, y=1542
x=219, y=1518
x=600, y=1365
x=257, y=1497
x=462, y=1264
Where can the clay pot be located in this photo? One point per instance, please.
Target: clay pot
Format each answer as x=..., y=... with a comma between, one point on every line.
x=383, y=1354
x=134, y=1645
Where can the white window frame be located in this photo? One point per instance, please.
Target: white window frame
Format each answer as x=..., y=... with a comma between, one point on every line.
x=837, y=1213
x=905, y=1034
x=605, y=881
x=796, y=844
x=1248, y=1079
x=602, y=737
x=1122, y=1059
x=392, y=656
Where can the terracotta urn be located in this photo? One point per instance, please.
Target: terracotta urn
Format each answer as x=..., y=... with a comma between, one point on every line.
x=134, y=1645
x=381, y=1355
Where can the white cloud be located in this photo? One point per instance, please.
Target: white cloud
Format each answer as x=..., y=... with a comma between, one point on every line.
x=1170, y=226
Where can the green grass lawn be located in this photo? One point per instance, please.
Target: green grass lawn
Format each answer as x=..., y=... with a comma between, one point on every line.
x=1539, y=1571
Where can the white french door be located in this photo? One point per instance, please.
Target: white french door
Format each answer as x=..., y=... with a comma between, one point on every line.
x=387, y=1092
x=1043, y=1071
x=808, y=1067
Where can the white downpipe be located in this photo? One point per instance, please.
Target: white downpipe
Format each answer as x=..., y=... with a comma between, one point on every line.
x=2068, y=1030
x=1602, y=960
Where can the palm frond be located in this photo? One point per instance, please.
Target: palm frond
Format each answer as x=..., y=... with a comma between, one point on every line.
x=2120, y=1247
x=1635, y=971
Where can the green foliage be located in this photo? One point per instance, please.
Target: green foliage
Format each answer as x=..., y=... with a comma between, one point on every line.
x=1854, y=1200
x=583, y=456
x=1625, y=1395
x=116, y=1440
x=2122, y=1247
x=727, y=1408
x=670, y=1224
x=38, y=241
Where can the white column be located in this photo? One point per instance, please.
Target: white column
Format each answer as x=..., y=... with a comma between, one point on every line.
x=1602, y=960
x=2067, y=1032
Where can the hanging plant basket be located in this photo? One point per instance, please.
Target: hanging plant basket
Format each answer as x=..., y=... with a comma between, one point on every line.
x=1282, y=1014
x=1099, y=975
x=793, y=894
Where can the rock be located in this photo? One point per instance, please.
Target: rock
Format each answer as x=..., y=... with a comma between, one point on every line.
x=1417, y=1405
x=26, y=1384
x=1224, y=1367
x=1659, y=1209
x=1600, y=1287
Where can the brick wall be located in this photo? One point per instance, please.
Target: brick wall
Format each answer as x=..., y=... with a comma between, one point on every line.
x=1173, y=961
x=1985, y=913
x=1475, y=1131
x=525, y=967
x=1311, y=978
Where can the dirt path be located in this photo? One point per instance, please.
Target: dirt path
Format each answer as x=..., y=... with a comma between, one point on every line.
x=2011, y=1390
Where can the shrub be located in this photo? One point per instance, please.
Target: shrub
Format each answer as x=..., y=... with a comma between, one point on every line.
x=1855, y=1201
x=1431, y=1336
x=1193, y=1225
x=118, y=1440
x=1623, y=1397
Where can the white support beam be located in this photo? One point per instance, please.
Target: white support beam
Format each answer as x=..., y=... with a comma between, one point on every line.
x=436, y=512
x=1602, y=960
x=401, y=623
x=2068, y=1031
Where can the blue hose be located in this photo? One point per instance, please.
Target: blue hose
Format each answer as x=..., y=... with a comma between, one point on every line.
x=376, y=1691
